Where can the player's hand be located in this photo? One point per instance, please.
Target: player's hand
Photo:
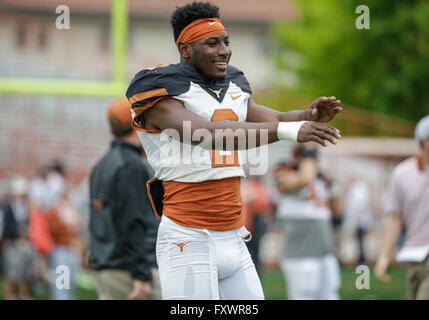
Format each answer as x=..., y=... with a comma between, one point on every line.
x=141, y=290
x=318, y=132
x=324, y=109
x=380, y=269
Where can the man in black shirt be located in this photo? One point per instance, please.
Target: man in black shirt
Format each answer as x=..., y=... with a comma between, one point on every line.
x=122, y=226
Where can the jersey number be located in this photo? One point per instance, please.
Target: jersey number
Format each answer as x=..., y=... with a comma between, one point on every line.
x=224, y=158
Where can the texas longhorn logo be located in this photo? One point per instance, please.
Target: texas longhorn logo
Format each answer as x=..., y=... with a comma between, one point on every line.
x=181, y=245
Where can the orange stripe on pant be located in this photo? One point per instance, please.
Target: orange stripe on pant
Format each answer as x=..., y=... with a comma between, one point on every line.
x=213, y=204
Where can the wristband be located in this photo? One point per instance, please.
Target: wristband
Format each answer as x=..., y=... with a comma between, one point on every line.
x=289, y=130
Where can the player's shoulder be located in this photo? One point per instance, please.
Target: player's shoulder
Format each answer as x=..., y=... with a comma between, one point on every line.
x=162, y=80
x=237, y=76
x=161, y=69
x=234, y=71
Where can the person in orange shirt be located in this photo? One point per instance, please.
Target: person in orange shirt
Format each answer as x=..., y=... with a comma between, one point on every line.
x=179, y=111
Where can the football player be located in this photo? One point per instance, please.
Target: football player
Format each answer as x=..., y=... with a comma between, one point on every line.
x=308, y=264
x=200, y=248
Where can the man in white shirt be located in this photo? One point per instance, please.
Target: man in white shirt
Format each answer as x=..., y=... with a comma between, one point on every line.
x=408, y=205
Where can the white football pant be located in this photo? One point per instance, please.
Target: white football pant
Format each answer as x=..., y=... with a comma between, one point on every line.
x=204, y=264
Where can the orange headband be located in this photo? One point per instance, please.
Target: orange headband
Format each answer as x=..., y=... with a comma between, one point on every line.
x=200, y=29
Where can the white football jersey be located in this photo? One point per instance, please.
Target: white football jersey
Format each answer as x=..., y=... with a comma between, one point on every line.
x=225, y=99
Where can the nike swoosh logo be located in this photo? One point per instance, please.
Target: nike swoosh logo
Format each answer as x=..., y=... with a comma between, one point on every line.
x=233, y=98
x=212, y=23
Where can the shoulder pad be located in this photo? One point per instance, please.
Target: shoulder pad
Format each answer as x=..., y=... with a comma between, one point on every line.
x=238, y=78
x=154, y=83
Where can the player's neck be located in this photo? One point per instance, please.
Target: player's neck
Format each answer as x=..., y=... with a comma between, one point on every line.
x=202, y=75
x=132, y=139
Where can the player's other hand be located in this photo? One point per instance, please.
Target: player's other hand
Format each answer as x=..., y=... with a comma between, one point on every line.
x=141, y=290
x=380, y=269
x=323, y=109
x=318, y=132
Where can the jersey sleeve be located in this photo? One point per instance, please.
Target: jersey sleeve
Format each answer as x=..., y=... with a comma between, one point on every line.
x=148, y=87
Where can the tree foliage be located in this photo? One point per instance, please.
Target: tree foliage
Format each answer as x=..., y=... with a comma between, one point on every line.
x=385, y=68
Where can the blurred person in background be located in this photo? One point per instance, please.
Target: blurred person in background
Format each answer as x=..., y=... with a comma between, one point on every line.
x=407, y=206
x=257, y=206
x=56, y=179
x=357, y=220
x=65, y=226
x=40, y=193
x=336, y=204
x=44, y=191
x=18, y=252
x=48, y=186
x=309, y=265
x=122, y=226
x=79, y=197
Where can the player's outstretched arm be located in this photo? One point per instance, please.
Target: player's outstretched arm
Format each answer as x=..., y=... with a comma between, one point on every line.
x=322, y=109
x=171, y=114
x=294, y=180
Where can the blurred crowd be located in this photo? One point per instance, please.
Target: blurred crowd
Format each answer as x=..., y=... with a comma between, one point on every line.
x=40, y=230
x=43, y=225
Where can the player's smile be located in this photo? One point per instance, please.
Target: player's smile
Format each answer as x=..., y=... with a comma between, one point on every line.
x=221, y=65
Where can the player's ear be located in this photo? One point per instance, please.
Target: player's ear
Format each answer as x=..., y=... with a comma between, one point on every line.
x=185, y=50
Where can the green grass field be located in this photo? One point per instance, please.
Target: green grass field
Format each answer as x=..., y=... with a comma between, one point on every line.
x=274, y=286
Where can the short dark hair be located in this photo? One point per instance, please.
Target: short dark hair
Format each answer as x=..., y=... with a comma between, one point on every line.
x=183, y=16
x=301, y=151
x=119, y=130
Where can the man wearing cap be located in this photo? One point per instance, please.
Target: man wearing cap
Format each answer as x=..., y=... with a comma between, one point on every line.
x=201, y=252
x=122, y=227
x=407, y=206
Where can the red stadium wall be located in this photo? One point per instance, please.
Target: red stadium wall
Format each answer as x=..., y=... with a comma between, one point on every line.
x=36, y=130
